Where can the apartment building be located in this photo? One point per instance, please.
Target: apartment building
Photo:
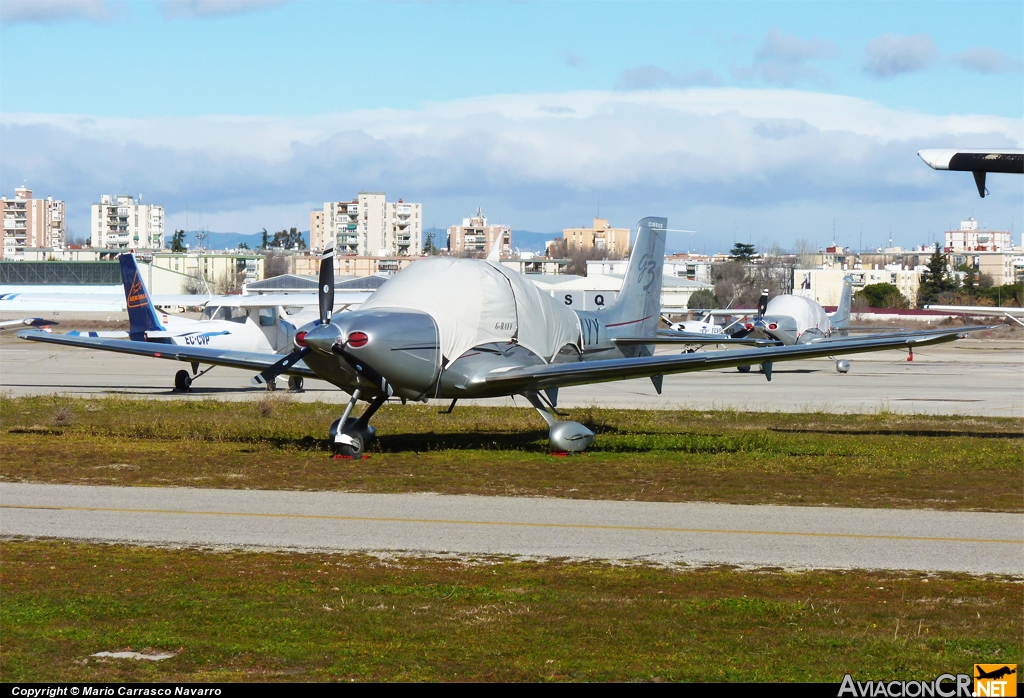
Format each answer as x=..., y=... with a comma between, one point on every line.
x=614, y=241
x=826, y=285
x=475, y=236
x=123, y=222
x=30, y=222
x=218, y=272
x=970, y=239
x=368, y=225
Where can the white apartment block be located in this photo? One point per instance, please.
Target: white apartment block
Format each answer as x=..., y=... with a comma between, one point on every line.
x=826, y=285
x=369, y=225
x=124, y=222
x=969, y=239
x=474, y=236
x=30, y=222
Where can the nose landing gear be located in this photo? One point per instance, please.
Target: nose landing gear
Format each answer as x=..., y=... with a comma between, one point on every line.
x=351, y=436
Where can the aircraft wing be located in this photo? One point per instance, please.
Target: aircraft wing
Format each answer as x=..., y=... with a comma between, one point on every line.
x=249, y=360
x=670, y=337
x=906, y=334
x=29, y=322
x=978, y=310
x=1009, y=160
x=583, y=372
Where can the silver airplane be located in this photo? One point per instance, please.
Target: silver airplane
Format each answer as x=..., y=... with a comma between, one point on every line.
x=789, y=319
x=454, y=328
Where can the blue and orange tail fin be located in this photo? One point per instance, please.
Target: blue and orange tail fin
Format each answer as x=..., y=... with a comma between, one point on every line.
x=142, y=317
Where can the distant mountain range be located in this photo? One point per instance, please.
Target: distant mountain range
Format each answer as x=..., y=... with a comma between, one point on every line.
x=524, y=240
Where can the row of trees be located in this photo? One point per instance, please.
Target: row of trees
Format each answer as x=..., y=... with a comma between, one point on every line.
x=290, y=239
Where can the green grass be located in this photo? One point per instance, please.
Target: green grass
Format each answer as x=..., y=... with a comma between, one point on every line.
x=880, y=460
x=238, y=616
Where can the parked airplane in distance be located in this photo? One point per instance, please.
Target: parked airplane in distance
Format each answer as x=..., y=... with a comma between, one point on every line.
x=453, y=328
x=706, y=325
x=978, y=161
x=791, y=319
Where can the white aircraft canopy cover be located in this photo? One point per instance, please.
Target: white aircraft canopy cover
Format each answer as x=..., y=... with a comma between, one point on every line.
x=805, y=311
x=475, y=302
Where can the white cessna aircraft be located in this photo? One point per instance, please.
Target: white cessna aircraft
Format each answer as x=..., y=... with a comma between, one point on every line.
x=234, y=323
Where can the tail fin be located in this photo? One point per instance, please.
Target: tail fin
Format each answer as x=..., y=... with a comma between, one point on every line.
x=637, y=308
x=142, y=315
x=841, y=318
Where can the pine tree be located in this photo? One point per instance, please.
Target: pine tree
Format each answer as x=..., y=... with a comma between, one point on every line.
x=178, y=241
x=934, y=280
x=742, y=252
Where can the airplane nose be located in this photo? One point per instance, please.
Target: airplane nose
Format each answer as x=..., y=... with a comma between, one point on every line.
x=397, y=350
x=323, y=338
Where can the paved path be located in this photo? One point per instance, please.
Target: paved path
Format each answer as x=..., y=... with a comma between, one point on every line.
x=974, y=377
x=794, y=537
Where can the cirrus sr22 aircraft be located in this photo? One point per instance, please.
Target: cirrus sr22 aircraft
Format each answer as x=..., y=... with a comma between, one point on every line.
x=454, y=328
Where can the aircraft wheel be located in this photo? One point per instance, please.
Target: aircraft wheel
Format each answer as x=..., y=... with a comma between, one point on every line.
x=182, y=381
x=743, y=369
x=353, y=449
x=272, y=384
x=843, y=366
x=295, y=384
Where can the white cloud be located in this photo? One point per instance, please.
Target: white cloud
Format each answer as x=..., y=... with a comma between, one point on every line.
x=987, y=60
x=894, y=54
x=533, y=160
x=47, y=11
x=201, y=9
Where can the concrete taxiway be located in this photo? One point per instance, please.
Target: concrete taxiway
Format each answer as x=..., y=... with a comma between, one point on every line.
x=668, y=533
x=972, y=377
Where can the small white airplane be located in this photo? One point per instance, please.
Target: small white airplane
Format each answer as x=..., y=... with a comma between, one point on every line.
x=706, y=325
x=263, y=324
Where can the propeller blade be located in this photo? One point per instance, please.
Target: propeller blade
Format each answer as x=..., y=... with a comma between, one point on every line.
x=272, y=372
x=326, y=290
x=762, y=304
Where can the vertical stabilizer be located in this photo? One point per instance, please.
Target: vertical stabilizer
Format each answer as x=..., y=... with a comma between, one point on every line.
x=142, y=315
x=841, y=318
x=637, y=309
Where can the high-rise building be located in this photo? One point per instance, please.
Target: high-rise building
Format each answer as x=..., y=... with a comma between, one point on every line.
x=474, y=236
x=614, y=241
x=970, y=239
x=124, y=222
x=316, y=230
x=30, y=222
x=368, y=225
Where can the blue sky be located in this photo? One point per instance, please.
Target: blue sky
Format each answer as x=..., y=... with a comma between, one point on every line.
x=772, y=117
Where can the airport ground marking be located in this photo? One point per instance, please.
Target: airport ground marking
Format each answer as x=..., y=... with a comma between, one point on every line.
x=523, y=524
